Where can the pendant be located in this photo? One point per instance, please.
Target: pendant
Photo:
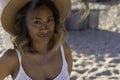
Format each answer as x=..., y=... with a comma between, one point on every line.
x=45, y=60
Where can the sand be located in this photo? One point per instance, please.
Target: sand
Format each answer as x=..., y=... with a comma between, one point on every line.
x=96, y=54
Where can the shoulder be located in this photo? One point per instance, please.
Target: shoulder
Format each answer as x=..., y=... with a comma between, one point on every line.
x=9, y=54
x=8, y=60
x=67, y=49
x=9, y=57
x=68, y=56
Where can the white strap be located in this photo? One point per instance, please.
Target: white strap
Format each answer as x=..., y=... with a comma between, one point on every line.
x=19, y=56
x=63, y=55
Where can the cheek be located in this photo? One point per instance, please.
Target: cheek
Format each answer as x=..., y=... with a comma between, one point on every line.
x=53, y=28
x=32, y=31
x=29, y=29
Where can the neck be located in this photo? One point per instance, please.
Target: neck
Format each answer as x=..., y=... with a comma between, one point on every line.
x=40, y=47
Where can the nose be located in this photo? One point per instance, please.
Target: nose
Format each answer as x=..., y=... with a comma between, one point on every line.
x=44, y=31
x=43, y=26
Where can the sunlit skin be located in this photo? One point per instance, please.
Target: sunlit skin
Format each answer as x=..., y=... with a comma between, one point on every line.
x=40, y=24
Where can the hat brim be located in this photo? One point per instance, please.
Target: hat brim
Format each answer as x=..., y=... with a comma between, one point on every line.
x=8, y=14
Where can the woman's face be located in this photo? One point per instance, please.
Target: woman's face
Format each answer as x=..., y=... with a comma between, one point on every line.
x=40, y=24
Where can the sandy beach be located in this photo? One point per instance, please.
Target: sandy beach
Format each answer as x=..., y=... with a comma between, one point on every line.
x=96, y=55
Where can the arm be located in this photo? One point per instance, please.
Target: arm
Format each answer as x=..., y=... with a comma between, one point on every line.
x=7, y=63
x=68, y=57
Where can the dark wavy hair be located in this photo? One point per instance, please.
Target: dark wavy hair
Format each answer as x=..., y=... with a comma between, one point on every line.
x=21, y=39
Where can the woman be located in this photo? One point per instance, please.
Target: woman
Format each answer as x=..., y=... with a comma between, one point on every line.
x=38, y=36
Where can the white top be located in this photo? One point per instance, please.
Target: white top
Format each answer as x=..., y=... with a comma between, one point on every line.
x=63, y=75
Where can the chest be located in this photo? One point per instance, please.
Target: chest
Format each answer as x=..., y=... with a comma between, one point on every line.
x=36, y=69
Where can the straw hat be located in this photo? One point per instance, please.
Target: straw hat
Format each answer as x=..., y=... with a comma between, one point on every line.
x=12, y=6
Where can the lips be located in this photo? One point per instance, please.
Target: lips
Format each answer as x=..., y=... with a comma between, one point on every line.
x=44, y=35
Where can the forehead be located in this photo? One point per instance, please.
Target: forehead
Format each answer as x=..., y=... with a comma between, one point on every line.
x=41, y=11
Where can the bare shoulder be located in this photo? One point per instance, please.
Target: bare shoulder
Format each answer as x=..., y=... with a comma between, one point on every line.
x=8, y=61
x=67, y=48
x=68, y=56
x=9, y=54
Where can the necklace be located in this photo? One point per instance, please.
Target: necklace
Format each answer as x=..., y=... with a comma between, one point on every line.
x=44, y=60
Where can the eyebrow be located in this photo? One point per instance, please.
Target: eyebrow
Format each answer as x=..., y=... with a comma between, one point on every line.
x=40, y=18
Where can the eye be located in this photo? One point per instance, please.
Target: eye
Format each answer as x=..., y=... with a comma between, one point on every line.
x=50, y=20
x=36, y=22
